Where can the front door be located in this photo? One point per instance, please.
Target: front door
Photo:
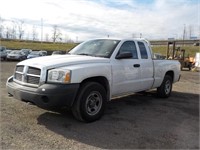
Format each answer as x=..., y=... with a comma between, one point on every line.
x=126, y=71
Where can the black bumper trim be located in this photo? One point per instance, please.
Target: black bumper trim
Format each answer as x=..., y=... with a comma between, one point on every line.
x=46, y=96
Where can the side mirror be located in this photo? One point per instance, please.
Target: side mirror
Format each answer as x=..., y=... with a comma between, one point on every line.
x=124, y=55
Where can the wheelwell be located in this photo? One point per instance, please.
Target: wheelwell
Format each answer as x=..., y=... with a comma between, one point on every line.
x=171, y=74
x=101, y=80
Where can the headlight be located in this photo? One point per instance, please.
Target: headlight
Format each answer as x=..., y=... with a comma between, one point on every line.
x=59, y=76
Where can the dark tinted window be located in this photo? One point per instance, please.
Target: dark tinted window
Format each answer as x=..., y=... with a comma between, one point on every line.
x=129, y=46
x=143, y=50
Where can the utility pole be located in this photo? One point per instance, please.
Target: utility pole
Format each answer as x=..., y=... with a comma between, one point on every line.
x=41, y=30
x=190, y=31
x=184, y=32
x=140, y=35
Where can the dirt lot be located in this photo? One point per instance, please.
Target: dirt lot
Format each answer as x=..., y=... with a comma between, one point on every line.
x=139, y=121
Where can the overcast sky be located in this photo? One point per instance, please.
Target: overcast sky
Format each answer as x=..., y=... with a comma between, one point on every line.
x=85, y=19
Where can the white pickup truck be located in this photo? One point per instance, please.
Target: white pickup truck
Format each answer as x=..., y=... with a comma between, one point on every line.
x=91, y=74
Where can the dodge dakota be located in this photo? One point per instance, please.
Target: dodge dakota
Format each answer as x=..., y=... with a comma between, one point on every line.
x=91, y=74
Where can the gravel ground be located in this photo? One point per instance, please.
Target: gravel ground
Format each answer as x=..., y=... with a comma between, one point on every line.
x=140, y=121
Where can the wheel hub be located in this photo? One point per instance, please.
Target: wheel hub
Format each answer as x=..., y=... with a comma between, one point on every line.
x=167, y=87
x=93, y=103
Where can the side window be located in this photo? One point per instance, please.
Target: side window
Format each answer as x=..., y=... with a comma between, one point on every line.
x=129, y=46
x=143, y=50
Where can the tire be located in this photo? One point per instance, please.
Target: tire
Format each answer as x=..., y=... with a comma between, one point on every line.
x=90, y=102
x=164, y=91
x=190, y=66
x=181, y=68
x=21, y=59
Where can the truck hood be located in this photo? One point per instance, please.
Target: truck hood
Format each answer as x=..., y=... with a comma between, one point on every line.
x=62, y=60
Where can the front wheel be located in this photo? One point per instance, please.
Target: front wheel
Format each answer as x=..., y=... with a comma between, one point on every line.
x=165, y=89
x=90, y=103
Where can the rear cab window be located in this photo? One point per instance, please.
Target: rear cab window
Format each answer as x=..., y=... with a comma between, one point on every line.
x=143, y=50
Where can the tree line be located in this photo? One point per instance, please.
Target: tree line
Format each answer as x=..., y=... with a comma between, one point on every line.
x=17, y=29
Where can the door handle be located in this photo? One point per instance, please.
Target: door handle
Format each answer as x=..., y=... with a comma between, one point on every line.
x=136, y=65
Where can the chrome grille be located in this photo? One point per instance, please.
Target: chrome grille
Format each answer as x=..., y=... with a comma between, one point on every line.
x=20, y=68
x=27, y=75
x=33, y=80
x=34, y=71
x=18, y=76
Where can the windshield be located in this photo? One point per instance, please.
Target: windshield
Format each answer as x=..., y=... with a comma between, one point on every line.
x=57, y=52
x=25, y=50
x=34, y=53
x=15, y=52
x=99, y=48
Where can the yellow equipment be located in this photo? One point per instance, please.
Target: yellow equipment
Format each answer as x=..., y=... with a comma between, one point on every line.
x=179, y=54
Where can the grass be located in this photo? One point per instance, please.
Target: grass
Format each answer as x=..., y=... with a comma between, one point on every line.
x=190, y=50
x=17, y=44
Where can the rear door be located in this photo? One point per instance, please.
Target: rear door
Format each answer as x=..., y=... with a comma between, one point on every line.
x=146, y=65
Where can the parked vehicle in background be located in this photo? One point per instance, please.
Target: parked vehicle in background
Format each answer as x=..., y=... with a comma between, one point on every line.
x=197, y=61
x=26, y=51
x=34, y=54
x=196, y=44
x=8, y=51
x=16, y=55
x=3, y=53
x=158, y=56
x=58, y=53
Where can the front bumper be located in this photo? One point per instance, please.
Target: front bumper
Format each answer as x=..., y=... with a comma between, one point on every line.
x=13, y=58
x=46, y=96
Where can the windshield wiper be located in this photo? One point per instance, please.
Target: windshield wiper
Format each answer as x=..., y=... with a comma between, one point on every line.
x=91, y=55
x=84, y=54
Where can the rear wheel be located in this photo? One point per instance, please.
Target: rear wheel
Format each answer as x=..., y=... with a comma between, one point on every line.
x=21, y=58
x=165, y=89
x=90, y=103
x=190, y=66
